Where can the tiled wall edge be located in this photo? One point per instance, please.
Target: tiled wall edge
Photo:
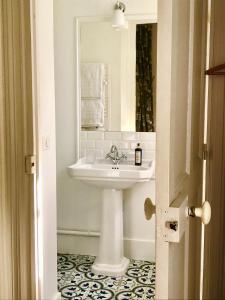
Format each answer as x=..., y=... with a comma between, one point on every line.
x=95, y=145
x=116, y=135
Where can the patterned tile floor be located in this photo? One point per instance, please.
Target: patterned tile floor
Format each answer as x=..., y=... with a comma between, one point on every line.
x=77, y=282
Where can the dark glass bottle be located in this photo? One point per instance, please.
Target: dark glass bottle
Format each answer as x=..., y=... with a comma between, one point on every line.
x=138, y=155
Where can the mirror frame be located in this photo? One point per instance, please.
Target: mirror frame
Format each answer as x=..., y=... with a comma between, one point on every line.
x=139, y=18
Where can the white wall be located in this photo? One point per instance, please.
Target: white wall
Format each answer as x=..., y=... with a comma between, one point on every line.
x=78, y=204
x=43, y=59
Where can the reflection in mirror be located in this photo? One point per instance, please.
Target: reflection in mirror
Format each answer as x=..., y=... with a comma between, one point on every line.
x=118, y=77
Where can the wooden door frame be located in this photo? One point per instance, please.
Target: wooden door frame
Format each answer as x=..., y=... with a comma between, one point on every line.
x=18, y=278
x=17, y=188
x=214, y=260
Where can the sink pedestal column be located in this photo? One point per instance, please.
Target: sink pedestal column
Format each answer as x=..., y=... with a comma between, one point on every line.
x=110, y=259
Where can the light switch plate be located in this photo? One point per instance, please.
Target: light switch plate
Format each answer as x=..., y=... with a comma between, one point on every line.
x=45, y=143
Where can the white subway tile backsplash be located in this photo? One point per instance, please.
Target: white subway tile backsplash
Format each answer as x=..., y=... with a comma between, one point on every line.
x=83, y=153
x=105, y=151
x=147, y=136
x=87, y=144
x=95, y=135
x=122, y=145
x=113, y=135
x=103, y=145
x=143, y=145
x=147, y=145
x=90, y=155
x=133, y=145
x=95, y=145
x=99, y=154
x=83, y=135
x=83, y=144
x=130, y=136
x=90, y=144
x=130, y=156
x=149, y=155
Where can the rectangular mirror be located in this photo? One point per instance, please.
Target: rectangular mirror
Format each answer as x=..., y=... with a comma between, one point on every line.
x=118, y=76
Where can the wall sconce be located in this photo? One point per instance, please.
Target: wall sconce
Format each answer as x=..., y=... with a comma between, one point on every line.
x=119, y=21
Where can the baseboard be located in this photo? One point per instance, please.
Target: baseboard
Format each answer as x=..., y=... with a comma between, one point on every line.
x=139, y=249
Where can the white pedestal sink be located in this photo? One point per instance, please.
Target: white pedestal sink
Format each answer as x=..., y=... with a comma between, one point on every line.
x=112, y=180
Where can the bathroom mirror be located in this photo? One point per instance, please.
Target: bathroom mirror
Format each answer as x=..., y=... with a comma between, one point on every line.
x=118, y=76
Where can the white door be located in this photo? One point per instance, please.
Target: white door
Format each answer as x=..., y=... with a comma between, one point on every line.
x=180, y=107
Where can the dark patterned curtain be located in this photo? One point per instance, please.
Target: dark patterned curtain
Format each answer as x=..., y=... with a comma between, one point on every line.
x=144, y=79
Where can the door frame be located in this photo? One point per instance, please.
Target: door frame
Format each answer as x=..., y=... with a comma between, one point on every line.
x=36, y=77
x=17, y=206
x=214, y=244
x=42, y=49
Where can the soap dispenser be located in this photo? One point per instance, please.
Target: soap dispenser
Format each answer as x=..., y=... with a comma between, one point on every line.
x=138, y=155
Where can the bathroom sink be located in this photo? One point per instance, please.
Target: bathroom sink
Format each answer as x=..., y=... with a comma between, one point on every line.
x=104, y=174
x=112, y=179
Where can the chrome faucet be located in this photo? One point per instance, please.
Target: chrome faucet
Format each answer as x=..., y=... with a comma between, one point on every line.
x=114, y=155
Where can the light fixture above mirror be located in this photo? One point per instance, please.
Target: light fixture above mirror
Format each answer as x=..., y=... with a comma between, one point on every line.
x=119, y=21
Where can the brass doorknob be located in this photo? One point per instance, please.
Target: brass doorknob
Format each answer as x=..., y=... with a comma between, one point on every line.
x=149, y=208
x=203, y=212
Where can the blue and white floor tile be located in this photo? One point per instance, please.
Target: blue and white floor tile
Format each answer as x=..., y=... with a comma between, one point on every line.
x=77, y=282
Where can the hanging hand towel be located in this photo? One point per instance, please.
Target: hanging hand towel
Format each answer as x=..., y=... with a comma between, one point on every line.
x=92, y=113
x=92, y=80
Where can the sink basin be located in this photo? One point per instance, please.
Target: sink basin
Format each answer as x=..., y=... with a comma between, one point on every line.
x=112, y=179
x=103, y=174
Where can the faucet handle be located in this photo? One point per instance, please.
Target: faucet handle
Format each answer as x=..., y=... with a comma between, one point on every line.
x=113, y=149
x=120, y=158
x=124, y=156
x=107, y=156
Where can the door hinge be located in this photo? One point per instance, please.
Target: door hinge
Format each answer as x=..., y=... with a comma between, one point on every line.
x=30, y=164
x=204, y=151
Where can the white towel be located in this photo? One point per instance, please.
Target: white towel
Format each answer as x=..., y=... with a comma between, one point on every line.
x=92, y=113
x=92, y=80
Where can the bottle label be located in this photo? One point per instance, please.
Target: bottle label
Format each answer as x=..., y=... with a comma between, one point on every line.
x=138, y=157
